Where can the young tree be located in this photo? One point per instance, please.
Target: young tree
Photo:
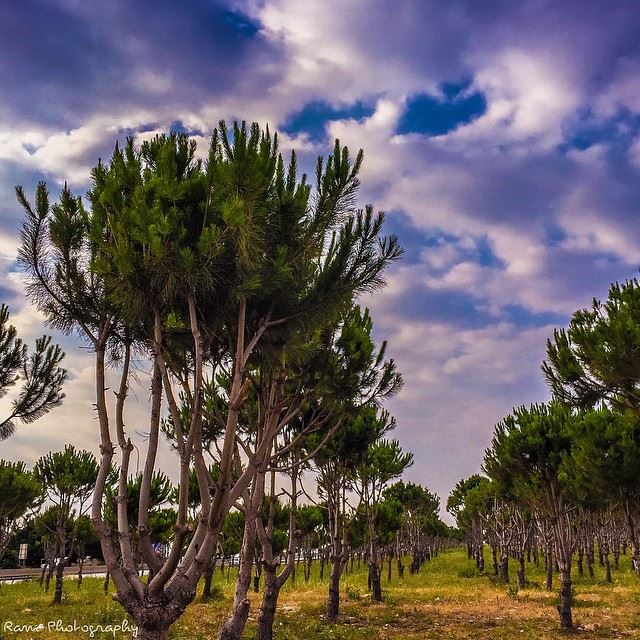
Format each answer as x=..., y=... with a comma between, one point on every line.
x=69, y=478
x=193, y=264
x=382, y=462
x=360, y=379
x=529, y=456
x=20, y=492
x=40, y=373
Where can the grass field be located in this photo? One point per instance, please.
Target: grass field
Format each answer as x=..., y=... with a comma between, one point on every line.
x=446, y=600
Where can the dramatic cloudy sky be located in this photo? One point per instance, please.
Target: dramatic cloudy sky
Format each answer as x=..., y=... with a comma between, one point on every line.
x=501, y=138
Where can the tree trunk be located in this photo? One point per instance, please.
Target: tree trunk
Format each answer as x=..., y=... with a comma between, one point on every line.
x=564, y=608
x=57, y=596
x=234, y=626
x=145, y=633
x=50, y=569
x=633, y=538
x=549, y=563
x=580, y=561
x=494, y=559
x=208, y=581
x=80, y=568
x=480, y=559
x=105, y=586
x=42, y=574
x=504, y=566
x=272, y=586
x=267, y=611
x=416, y=561
x=374, y=577
x=522, y=583
x=604, y=551
x=333, y=603
x=589, y=556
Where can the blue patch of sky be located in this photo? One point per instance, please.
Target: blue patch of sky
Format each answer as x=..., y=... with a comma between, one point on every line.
x=485, y=254
x=148, y=126
x=314, y=116
x=7, y=296
x=464, y=310
x=616, y=131
x=524, y=318
x=456, y=308
x=436, y=115
x=554, y=235
x=30, y=148
x=412, y=239
x=241, y=22
x=415, y=241
x=177, y=126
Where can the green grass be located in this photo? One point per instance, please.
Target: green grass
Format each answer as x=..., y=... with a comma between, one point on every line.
x=447, y=599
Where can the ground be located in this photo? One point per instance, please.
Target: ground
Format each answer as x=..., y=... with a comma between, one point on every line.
x=447, y=600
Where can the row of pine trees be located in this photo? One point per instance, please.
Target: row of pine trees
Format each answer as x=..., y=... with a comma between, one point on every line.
x=562, y=478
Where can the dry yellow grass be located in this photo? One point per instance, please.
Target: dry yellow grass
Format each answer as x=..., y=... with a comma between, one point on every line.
x=446, y=600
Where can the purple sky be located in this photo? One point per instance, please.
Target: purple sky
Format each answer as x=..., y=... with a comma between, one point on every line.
x=502, y=139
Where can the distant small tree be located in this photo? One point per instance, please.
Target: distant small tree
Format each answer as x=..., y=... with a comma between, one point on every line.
x=83, y=534
x=310, y=520
x=69, y=477
x=420, y=512
x=20, y=492
x=467, y=522
x=40, y=373
x=382, y=462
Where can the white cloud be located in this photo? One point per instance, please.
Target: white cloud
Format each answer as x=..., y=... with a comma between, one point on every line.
x=529, y=95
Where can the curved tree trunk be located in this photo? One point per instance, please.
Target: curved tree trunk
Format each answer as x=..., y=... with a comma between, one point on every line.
x=234, y=625
x=273, y=583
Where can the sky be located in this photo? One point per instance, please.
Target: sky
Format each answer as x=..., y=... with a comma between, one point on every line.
x=502, y=139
